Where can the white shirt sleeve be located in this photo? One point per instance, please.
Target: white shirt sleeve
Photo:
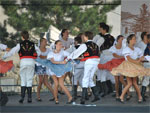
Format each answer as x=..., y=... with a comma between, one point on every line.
x=124, y=43
x=126, y=52
x=147, y=58
x=71, y=49
x=140, y=52
x=52, y=46
x=75, y=54
x=71, y=40
x=13, y=51
x=37, y=50
x=98, y=40
x=66, y=53
x=49, y=50
x=3, y=47
x=142, y=46
x=112, y=49
x=50, y=55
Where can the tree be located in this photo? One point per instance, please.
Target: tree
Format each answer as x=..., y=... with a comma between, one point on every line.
x=38, y=15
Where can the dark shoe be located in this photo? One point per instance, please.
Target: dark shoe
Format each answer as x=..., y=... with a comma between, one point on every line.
x=82, y=102
x=95, y=99
x=79, y=96
x=143, y=92
x=52, y=99
x=29, y=100
x=128, y=97
x=121, y=101
x=21, y=100
x=60, y=92
x=56, y=102
x=70, y=102
x=140, y=101
x=39, y=99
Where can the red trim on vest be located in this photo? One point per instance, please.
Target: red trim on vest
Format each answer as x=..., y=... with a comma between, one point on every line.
x=86, y=54
x=28, y=57
x=84, y=59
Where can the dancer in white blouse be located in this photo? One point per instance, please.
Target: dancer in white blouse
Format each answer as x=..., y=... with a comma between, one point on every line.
x=58, y=57
x=131, y=67
x=118, y=58
x=64, y=37
x=41, y=70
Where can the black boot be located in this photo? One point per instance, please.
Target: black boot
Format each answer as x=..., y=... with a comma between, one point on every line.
x=29, y=90
x=87, y=96
x=104, y=89
x=95, y=93
x=109, y=85
x=75, y=92
x=23, y=91
x=99, y=87
x=84, y=91
x=143, y=92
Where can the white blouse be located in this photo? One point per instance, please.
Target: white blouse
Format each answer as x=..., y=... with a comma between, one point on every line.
x=43, y=53
x=3, y=47
x=142, y=46
x=113, y=49
x=58, y=56
x=67, y=43
x=134, y=54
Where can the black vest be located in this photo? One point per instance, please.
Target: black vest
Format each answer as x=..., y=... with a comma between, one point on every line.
x=109, y=41
x=27, y=50
x=92, y=49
